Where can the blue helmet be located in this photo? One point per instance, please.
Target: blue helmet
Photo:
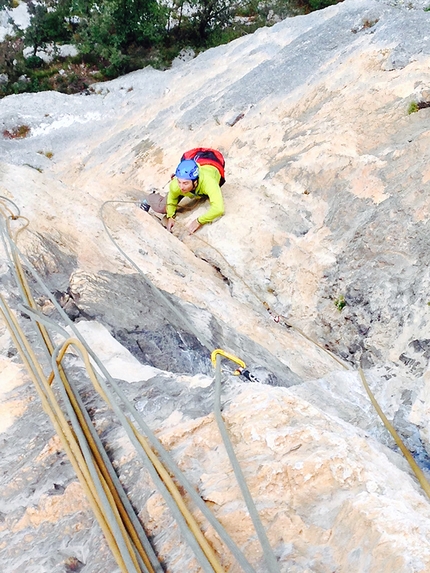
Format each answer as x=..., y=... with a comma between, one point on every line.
x=187, y=169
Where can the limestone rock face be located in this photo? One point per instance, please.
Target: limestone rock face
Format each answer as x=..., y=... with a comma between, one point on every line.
x=326, y=225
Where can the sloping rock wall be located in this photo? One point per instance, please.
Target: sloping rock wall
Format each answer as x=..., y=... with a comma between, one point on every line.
x=326, y=224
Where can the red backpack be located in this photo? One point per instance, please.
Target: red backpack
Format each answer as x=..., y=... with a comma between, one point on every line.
x=207, y=156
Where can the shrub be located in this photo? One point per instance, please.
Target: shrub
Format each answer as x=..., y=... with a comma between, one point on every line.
x=34, y=62
x=115, y=37
x=413, y=107
x=313, y=5
x=19, y=132
x=340, y=303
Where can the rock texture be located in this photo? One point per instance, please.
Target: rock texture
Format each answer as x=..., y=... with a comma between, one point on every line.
x=326, y=223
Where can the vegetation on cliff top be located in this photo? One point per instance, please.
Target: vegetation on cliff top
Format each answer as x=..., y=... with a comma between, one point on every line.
x=114, y=37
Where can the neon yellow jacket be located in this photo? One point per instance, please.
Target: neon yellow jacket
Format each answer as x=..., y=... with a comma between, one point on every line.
x=208, y=184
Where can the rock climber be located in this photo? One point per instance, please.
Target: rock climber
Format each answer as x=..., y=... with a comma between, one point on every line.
x=200, y=174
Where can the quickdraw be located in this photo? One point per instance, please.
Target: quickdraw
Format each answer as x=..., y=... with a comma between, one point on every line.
x=241, y=370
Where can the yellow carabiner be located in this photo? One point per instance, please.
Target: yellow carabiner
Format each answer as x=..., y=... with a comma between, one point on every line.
x=226, y=355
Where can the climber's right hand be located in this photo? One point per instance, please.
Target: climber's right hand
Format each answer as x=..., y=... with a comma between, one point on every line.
x=170, y=223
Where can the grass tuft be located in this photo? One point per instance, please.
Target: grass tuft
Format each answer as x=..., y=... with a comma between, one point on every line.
x=19, y=132
x=340, y=303
x=413, y=107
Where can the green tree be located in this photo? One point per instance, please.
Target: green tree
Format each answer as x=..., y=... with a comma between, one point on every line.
x=209, y=16
x=110, y=28
x=49, y=23
x=199, y=22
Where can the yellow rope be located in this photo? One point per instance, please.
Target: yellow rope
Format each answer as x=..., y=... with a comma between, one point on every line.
x=62, y=428
x=283, y=320
x=105, y=480
x=413, y=464
x=110, y=488
x=161, y=470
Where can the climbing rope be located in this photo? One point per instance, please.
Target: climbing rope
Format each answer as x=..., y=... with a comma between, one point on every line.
x=129, y=549
x=206, y=557
x=413, y=464
x=283, y=321
x=277, y=318
x=269, y=556
x=166, y=485
x=93, y=491
x=267, y=550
